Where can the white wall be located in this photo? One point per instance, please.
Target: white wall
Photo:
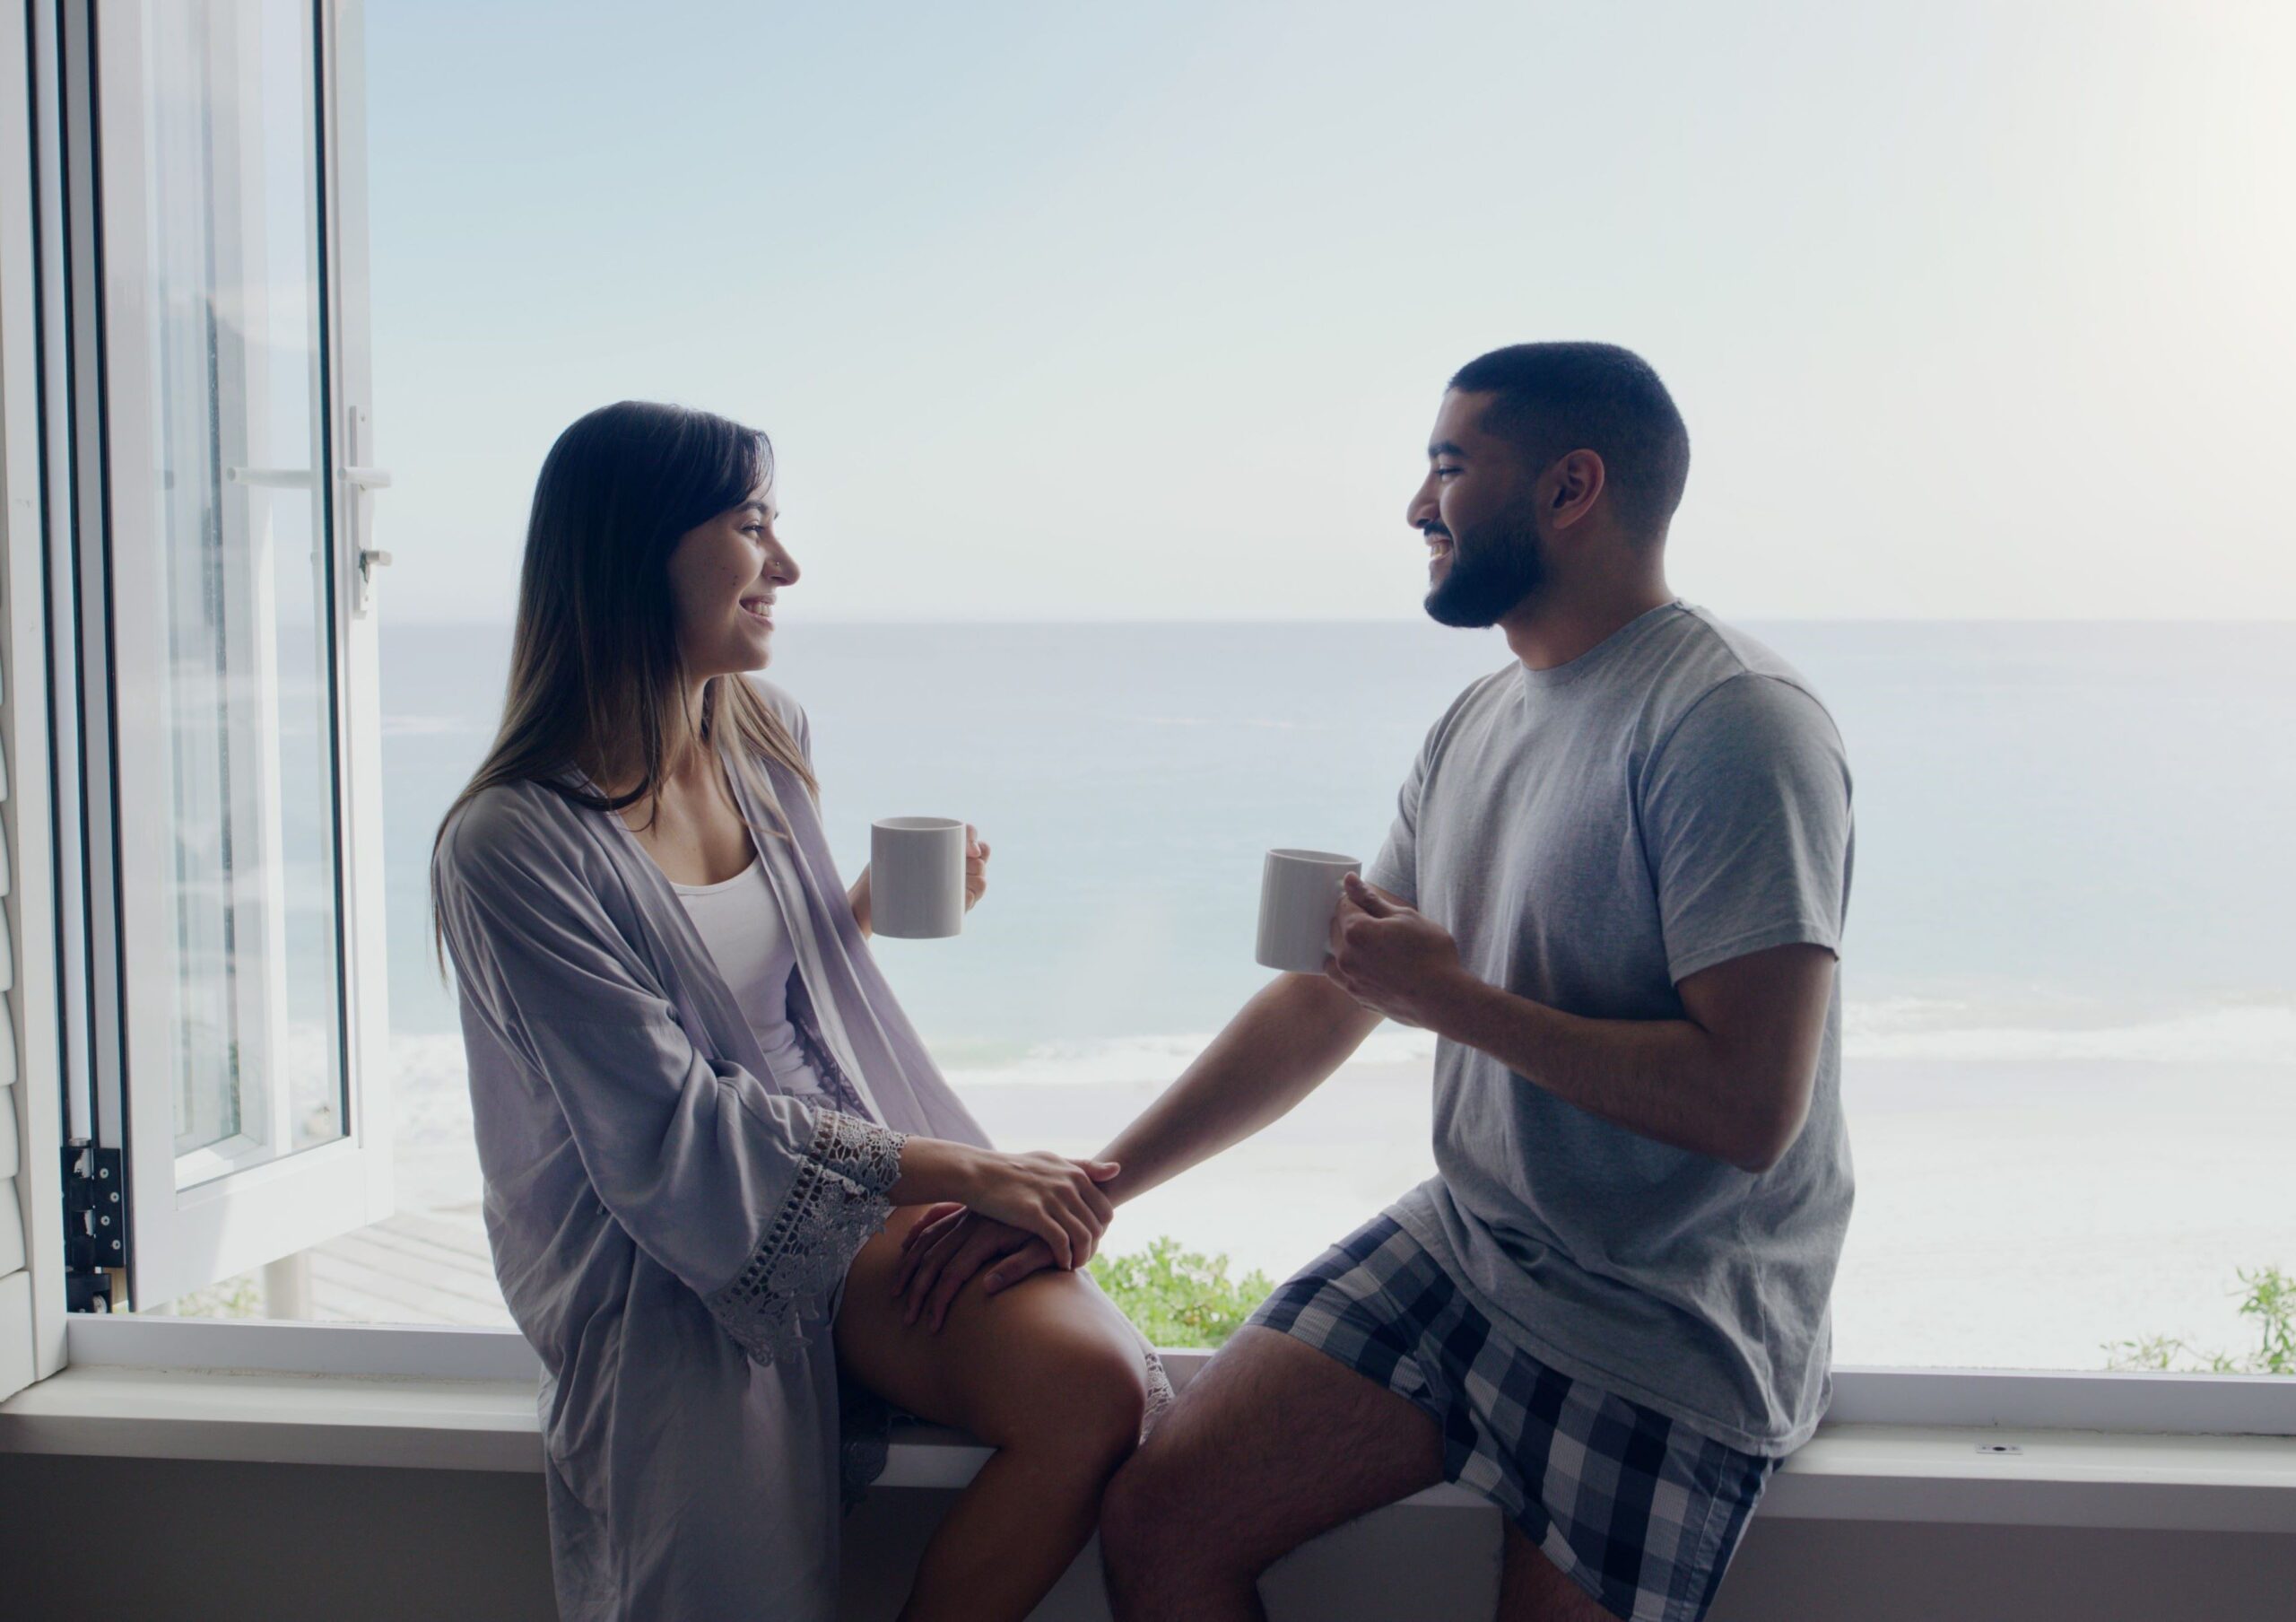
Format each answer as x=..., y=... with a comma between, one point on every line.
x=157, y=1541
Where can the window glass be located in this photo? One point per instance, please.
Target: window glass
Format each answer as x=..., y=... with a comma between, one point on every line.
x=1980, y=321
x=232, y=584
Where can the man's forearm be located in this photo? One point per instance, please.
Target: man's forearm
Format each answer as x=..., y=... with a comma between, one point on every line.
x=1276, y=1050
x=1664, y=1079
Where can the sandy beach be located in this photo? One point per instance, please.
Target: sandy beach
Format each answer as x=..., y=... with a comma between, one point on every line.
x=2015, y=1215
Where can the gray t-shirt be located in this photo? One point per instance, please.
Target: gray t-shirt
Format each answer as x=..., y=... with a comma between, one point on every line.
x=1593, y=834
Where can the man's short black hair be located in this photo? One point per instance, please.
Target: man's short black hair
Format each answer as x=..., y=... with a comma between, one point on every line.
x=1554, y=398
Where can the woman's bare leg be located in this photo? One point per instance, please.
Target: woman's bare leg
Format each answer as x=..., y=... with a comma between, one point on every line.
x=1048, y=1373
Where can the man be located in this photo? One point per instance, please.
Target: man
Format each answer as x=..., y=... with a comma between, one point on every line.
x=1615, y=890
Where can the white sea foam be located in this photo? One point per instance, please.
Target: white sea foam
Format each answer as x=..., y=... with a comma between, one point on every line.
x=431, y=725
x=1135, y=1059
x=2254, y=1033
x=1233, y=721
x=434, y=1105
x=1947, y=1031
x=429, y=1091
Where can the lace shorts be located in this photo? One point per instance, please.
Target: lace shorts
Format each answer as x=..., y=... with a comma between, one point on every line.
x=1640, y=1512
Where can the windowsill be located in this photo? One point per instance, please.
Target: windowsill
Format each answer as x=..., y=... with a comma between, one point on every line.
x=1852, y=1472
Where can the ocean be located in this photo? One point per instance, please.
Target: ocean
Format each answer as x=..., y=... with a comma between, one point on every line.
x=2069, y=979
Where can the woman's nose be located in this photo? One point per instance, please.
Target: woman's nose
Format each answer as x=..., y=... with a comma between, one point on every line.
x=784, y=568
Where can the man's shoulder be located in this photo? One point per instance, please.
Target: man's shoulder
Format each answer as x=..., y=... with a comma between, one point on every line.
x=1709, y=669
x=1478, y=697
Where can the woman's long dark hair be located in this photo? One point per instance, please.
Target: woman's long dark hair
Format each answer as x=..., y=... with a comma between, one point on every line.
x=594, y=661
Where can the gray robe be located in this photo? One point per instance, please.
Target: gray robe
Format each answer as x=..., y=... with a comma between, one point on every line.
x=671, y=1232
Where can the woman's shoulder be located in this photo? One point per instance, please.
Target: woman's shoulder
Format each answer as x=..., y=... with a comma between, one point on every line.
x=510, y=824
x=778, y=699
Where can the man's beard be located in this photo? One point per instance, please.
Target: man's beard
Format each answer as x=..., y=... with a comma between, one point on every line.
x=1494, y=567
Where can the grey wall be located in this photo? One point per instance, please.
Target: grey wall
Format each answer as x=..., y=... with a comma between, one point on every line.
x=158, y=1541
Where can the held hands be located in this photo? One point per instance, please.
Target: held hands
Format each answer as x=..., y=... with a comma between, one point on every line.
x=1032, y=1212
x=1048, y=1199
x=948, y=1246
x=1393, y=960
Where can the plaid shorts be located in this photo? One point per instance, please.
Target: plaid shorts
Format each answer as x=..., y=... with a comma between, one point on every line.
x=1641, y=1512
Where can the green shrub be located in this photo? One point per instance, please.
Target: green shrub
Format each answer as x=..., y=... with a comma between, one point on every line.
x=2271, y=1301
x=239, y=1297
x=1180, y=1298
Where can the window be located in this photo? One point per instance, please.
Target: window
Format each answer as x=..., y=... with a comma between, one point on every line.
x=1098, y=391
x=226, y=995
x=1156, y=337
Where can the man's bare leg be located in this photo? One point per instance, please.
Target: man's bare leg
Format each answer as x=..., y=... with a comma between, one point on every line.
x=1272, y=1443
x=1531, y=1590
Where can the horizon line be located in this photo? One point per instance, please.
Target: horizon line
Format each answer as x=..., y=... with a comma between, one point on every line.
x=385, y=621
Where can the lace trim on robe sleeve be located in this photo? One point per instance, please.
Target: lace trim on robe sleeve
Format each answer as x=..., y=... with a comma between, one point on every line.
x=838, y=1203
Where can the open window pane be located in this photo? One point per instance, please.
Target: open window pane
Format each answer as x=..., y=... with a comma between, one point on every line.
x=233, y=673
x=236, y=585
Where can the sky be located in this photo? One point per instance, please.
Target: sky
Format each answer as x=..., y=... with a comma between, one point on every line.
x=1096, y=312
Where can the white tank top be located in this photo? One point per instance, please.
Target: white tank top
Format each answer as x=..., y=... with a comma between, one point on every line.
x=740, y=924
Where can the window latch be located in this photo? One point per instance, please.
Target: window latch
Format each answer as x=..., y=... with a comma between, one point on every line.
x=361, y=480
x=270, y=478
x=95, y=1225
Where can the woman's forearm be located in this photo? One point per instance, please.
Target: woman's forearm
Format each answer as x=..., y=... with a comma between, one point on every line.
x=934, y=1169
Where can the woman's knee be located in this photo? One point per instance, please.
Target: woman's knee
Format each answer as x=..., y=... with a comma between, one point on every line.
x=1103, y=1398
x=1085, y=1395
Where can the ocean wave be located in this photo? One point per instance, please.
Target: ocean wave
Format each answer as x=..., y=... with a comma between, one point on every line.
x=1233, y=721
x=430, y=1090
x=1141, y=1059
x=431, y=725
x=1905, y=1027
x=432, y=1103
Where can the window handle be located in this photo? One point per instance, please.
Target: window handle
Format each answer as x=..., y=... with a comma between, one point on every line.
x=300, y=478
x=270, y=478
x=364, y=481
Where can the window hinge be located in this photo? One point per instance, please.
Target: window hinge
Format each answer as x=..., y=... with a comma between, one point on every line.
x=95, y=1225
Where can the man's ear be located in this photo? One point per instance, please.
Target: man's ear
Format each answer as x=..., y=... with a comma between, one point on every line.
x=1578, y=480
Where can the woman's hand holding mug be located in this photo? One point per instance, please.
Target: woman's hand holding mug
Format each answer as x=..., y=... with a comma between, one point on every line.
x=862, y=897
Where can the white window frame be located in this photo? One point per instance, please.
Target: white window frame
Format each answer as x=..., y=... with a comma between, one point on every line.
x=211, y=1213
x=29, y=375
x=2129, y=1403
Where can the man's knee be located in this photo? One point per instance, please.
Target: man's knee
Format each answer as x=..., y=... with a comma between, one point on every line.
x=1145, y=1507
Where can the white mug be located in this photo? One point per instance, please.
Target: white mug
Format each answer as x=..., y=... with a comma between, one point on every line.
x=916, y=877
x=1299, y=895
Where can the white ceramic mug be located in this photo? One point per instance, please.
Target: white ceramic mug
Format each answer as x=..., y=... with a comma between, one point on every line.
x=916, y=877
x=1299, y=894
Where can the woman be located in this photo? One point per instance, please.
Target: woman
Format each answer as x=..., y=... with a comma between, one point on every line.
x=704, y=1122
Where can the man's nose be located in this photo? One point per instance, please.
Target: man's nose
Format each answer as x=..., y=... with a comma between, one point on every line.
x=1422, y=511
